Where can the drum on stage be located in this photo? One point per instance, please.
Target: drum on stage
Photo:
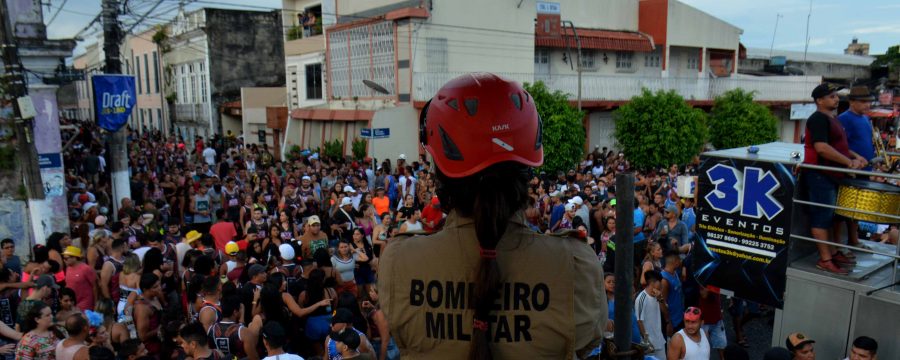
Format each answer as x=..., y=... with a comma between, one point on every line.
x=869, y=196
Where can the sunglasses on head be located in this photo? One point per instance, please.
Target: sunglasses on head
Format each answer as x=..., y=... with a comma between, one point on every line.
x=692, y=310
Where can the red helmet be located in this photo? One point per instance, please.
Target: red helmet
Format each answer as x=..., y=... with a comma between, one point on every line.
x=478, y=120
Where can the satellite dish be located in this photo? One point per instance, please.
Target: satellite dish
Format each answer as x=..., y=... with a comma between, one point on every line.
x=377, y=88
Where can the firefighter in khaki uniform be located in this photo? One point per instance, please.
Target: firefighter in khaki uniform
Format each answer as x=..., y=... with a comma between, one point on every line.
x=486, y=286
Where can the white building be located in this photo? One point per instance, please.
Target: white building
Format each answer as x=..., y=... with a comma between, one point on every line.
x=411, y=48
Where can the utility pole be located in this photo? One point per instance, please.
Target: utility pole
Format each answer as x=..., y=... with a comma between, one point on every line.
x=15, y=78
x=118, y=149
x=772, y=48
x=624, y=264
x=578, y=67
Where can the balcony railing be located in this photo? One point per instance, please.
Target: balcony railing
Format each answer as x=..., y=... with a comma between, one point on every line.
x=623, y=87
x=198, y=113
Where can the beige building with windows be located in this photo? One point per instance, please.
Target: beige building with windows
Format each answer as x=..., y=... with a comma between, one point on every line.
x=143, y=60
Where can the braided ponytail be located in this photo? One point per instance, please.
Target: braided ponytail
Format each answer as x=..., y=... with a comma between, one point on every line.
x=490, y=198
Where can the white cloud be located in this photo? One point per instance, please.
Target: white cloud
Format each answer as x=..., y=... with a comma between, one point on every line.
x=882, y=29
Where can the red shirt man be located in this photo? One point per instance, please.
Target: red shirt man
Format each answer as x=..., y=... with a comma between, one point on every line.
x=432, y=215
x=80, y=277
x=222, y=231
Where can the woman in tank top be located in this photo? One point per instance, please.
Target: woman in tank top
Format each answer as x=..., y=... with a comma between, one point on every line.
x=344, y=261
x=652, y=261
x=129, y=283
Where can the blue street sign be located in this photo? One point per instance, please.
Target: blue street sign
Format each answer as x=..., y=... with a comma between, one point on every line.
x=376, y=133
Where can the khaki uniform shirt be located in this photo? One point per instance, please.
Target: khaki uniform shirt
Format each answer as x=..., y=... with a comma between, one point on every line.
x=551, y=302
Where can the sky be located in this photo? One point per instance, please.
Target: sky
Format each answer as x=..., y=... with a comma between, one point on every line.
x=832, y=25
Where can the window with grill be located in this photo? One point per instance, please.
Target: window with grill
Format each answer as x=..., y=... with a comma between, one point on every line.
x=692, y=63
x=436, y=55
x=587, y=59
x=624, y=60
x=314, y=81
x=541, y=56
x=652, y=60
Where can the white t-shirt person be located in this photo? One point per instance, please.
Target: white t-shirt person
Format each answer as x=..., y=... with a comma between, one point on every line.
x=209, y=154
x=284, y=357
x=646, y=308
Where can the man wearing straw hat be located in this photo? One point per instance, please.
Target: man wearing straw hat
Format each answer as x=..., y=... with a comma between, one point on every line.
x=80, y=277
x=859, y=136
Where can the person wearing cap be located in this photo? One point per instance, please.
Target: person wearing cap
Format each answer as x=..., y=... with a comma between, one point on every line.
x=80, y=277
x=274, y=339
x=483, y=149
x=342, y=322
x=231, y=250
x=671, y=232
x=557, y=207
x=864, y=348
x=190, y=241
x=582, y=210
x=564, y=223
x=826, y=144
x=690, y=343
x=43, y=293
x=250, y=291
x=800, y=346
x=354, y=195
x=313, y=238
x=859, y=137
x=347, y=345
x=343, y=218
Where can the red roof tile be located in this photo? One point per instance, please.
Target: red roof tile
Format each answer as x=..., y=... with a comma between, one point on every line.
x=599, y=40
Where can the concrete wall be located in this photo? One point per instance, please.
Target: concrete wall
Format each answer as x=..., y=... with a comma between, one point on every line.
x=246, y=50
x=598, y=14
x=558, y=67
x=507, y=46
x=601, y=128
x=679, y=58
x=145, y=62
x=296, y=80
x=404, y=138
x=688, y=26
x=253, y=110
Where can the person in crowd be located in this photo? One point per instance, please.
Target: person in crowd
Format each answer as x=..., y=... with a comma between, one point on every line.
x=340, y=323
x=230, y=336
x=274, y=339
x=344, y=261
x=148, y=312
x=691, y=342
x=9, y=258
x=647, y=307
x=800, y=346
x=80, y=277
x=713, y=323
x=864, y=348
x=112, y=269
x=826, y=144
x=195, y=343
x=484, y=238
x=41, y=336
x=671, y=290
x=75, y=346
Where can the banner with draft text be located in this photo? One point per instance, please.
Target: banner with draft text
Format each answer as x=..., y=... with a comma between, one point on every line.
x=114, y=97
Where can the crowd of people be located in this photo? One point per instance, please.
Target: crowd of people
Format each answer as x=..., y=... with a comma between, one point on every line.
x=227, y=251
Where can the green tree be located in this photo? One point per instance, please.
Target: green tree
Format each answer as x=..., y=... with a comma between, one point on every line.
x=737, y=121
x=659, y=129
x=890, y=58
x=563, y=131
x=359, y=148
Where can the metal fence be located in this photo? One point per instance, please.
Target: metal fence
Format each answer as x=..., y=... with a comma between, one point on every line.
x=624, y=87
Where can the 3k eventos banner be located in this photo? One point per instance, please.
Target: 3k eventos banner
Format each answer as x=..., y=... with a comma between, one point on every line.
x=743, y=223
x=114, y=97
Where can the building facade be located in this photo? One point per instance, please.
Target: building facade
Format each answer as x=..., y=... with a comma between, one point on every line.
x=213, y=53
x=389, y=54
x=143, y=60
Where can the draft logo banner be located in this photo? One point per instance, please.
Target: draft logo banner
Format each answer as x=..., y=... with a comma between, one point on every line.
x=114, y=97
x=743, y=227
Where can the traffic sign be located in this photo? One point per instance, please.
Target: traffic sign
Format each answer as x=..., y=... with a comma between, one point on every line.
x=376, y=133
